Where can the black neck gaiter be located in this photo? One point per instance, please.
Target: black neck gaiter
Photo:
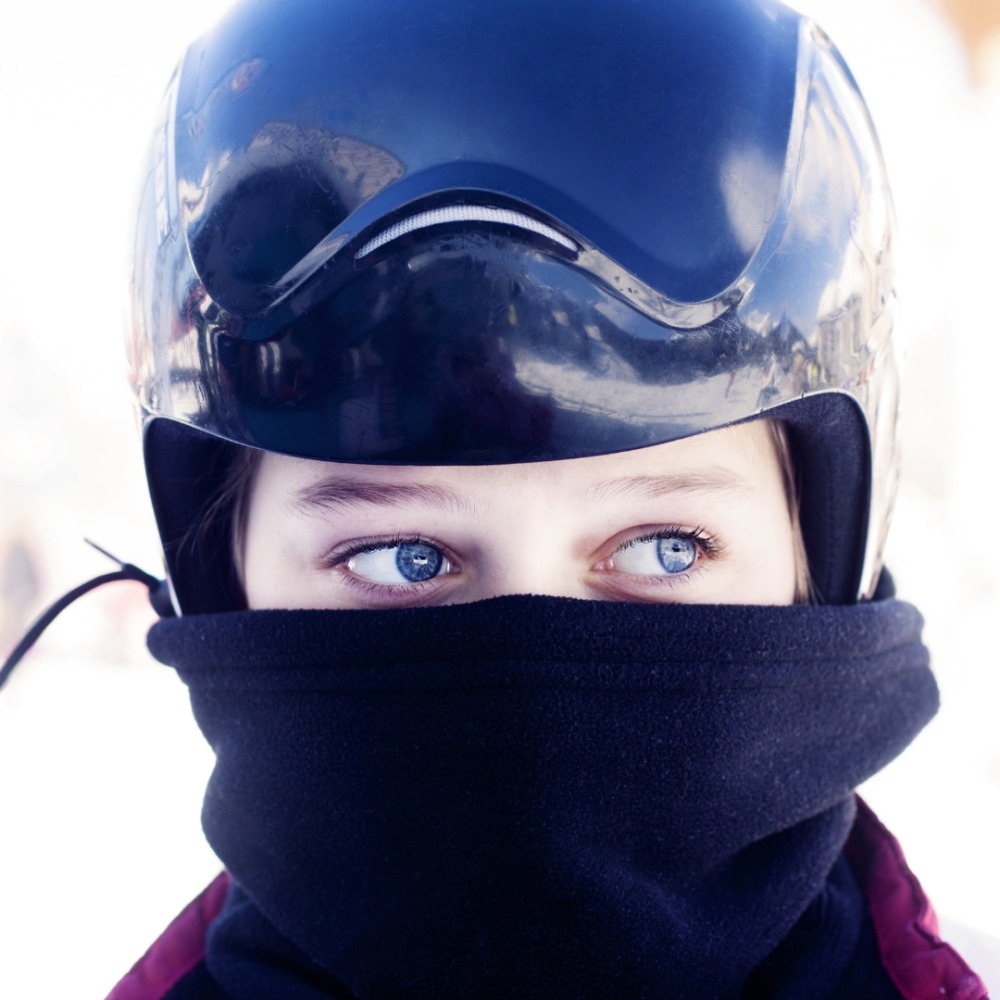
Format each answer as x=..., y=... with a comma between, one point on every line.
x=535, y=797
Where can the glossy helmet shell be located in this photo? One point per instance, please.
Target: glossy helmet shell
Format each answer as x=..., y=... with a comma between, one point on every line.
x=415, y=232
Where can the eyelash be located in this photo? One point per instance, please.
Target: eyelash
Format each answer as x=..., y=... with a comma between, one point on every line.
x=376, y=543
x=707, y=544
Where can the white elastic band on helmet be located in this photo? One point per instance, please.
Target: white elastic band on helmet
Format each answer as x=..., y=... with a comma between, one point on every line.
x=464, y=213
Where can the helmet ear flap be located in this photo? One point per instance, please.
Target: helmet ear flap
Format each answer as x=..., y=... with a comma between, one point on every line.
x=187, y=471
x=831, y=452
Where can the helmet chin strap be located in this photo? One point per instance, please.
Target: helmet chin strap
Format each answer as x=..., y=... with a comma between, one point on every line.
x=159, y=598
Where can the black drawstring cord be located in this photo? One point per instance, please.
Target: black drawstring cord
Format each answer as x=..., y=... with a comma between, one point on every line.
x=157, y=596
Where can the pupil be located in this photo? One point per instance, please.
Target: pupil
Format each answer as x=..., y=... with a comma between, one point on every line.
x=417, y=562
x=676, y=554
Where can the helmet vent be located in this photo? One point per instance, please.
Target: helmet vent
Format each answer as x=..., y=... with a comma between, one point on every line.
x=464, y=213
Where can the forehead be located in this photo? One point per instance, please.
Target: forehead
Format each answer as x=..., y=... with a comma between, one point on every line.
x=735, y=457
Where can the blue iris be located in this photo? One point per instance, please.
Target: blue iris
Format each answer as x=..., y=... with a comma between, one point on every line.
x=676, y=554
x=417, y=561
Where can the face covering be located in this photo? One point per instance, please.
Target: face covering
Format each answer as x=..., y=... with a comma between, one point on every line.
x=538, y=797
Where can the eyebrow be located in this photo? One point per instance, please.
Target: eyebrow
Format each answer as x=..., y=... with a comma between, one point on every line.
x=337, y=494
x=711, y=480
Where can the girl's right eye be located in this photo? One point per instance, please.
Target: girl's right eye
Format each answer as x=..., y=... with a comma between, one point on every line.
x=398, y=563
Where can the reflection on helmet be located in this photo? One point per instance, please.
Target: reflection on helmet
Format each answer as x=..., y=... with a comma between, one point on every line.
x=442, y=233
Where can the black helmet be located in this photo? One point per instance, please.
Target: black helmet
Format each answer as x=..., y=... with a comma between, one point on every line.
x=439, y=232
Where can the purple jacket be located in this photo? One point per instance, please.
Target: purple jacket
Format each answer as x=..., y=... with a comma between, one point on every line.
x=920, y=964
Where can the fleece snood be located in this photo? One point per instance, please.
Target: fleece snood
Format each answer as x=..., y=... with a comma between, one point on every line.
x=538, y=797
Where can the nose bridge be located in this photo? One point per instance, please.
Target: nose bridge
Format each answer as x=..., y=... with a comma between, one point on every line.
x=544, y=577
x=533, y=548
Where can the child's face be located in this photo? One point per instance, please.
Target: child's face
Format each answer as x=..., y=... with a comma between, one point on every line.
x=703, y=520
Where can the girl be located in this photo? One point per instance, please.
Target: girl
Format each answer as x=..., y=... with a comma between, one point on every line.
x=519, y=409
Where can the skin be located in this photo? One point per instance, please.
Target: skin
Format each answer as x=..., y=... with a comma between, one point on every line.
x=327, y=536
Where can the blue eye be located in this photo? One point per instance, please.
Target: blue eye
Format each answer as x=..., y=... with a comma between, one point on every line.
x=399, y=563
x=417, y=561
x=676, y=554
x=665, y=556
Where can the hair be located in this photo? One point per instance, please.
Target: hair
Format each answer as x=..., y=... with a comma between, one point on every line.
x=778, y=433
x=231, y=503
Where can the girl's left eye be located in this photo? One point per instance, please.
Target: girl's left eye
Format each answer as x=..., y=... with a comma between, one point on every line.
x=399, y=563
x=666, y=555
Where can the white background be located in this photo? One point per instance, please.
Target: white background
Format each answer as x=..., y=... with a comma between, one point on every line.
x=101, y=768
